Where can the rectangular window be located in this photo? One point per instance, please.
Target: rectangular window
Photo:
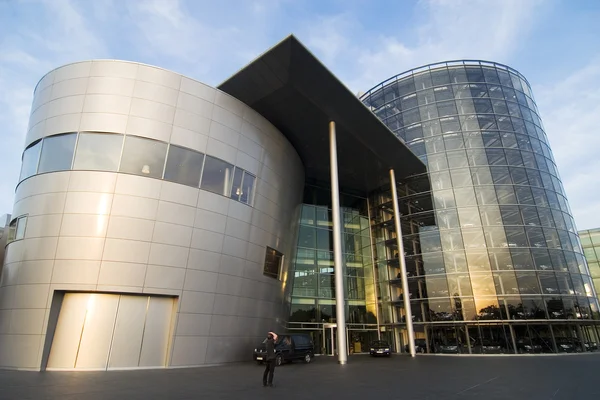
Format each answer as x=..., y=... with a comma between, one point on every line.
x=21, y=225
x=144, y=157
x=12, y=229
x=16, y=229
x=236, y=187
x=184, y=166
x=273, y=263
x=31, y=158
x=247, y=188
x=57, y=153
x=217, y=176
x=98, y=152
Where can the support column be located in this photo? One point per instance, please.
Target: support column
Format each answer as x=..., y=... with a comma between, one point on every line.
x=554, y=346
x=405, y=290
x=512, y=336
x=340, y=301
x=582, y=339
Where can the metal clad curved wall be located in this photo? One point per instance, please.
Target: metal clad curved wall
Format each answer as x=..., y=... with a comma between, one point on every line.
x=113, y=232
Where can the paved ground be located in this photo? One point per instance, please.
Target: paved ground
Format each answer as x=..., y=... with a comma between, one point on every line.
x=399, y=377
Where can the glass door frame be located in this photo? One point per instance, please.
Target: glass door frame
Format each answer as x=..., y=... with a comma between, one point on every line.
x=329, y=331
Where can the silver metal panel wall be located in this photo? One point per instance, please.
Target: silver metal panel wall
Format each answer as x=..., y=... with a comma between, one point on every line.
x=113, y=232
x=129, y=331
x=65, y=346
x=156, y=332
x=97, y=331
x=100, y=331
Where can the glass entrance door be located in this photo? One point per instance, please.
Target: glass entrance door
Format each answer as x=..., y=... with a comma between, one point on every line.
x=329, y=339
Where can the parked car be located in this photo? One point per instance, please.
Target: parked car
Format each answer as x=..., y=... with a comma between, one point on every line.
x=591, y=346
x=587, y=346
x=567, y=345
x=420, y=346
x=380, y=348
x=529, y=346
x=451, y=347
x=288, y=348
x=491, y=347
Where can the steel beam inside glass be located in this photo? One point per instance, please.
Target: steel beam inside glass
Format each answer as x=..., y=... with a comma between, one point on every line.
x=405, y=290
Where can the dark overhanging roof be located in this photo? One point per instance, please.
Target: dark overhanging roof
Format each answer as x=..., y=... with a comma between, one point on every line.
x=299, y=95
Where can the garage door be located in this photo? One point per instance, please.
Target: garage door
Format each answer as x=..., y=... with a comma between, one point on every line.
x=108, y=331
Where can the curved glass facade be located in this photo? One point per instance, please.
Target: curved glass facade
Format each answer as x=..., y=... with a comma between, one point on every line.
x=493, y=256
x=590, y=241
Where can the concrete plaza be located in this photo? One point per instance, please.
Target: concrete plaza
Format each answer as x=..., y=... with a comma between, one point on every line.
x=398, y=377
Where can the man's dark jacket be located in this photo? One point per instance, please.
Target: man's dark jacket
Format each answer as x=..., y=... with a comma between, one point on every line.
x=270, y=349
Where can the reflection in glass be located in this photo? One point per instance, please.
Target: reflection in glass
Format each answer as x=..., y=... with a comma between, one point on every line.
x=237, y=183
x=216, y=176
x=465, y=197
x=20, y=230
x=451, y=240
x=528, y=282
x=57, y=153
x=273, y=263
x=486, y=195
x=507, y=237
x=184, y=166
x=31, y=158
x=144, y=157
x=455, y=261
x=247, y=188
x=501, y=260
x=469, y=217
x=490, y=215
x=98, y=152
x=478, y=261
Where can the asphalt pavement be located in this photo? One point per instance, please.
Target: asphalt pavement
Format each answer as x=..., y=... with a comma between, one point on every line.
x=366, y=378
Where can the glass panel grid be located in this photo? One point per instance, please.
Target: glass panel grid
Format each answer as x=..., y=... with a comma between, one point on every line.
x=532, y=232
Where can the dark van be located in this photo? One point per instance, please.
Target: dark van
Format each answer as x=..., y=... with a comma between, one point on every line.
x=289, y=347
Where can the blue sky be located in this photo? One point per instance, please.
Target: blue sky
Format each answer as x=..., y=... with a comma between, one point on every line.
x=554, y=43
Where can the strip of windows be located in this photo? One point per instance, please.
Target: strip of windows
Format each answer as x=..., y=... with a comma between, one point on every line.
x=102, y=151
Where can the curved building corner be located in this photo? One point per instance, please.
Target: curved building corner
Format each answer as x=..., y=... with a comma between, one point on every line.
x=150, y=224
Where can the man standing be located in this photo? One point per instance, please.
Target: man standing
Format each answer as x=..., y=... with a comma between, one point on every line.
x=271, y=359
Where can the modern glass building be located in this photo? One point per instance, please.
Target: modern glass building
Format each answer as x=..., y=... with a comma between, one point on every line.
x=156, y=219
x=160, y=222
x=590, y=241
x=494, y=261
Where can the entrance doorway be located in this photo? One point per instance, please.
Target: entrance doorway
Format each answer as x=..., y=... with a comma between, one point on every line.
x=330, y=339
x=330, y=346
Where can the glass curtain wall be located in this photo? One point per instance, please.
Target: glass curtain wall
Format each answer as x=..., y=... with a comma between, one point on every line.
x=419, y=231
x=590, y=241
x=313, y=285
x=503, y=270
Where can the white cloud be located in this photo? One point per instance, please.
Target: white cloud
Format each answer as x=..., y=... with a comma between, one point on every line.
x=28, y=52
x=447, y=30
x=570, y=110
x=176, y=36
x=69, y=35
x=329, y=36
x=168, y=30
